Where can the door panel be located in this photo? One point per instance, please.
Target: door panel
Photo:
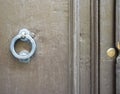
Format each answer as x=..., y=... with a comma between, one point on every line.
x=107, y=64
x=48, y=70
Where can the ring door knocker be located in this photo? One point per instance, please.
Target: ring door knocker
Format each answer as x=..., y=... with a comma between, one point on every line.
x=26, y=36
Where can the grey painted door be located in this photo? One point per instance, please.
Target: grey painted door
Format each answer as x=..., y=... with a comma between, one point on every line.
x=72, y=38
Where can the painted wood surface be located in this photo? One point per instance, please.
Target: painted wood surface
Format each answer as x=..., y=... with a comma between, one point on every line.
x=107, y=32
x=47, y=73
x=72, y=38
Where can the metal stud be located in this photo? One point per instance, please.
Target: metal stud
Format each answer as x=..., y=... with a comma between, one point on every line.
x=111, y=52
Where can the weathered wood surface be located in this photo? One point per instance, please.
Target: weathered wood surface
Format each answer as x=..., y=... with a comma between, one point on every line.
x=72, y=38
x=84, y=47
x=85, y=36
x=118, y=76
x=94, y=45
x=118, y=46
x=107, y=64
x=47, y=72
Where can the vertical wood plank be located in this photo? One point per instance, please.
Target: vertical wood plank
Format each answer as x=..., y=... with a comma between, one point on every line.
x=106, y=41
x=118, y=75
x=81, y=48
x=84, y=47
x=118, y=46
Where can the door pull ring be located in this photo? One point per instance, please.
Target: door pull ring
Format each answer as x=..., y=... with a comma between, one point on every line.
x=26, y=36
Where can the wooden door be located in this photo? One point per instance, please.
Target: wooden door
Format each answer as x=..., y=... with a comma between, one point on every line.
x=72, y=38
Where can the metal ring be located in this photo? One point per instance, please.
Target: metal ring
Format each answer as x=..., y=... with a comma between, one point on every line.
x=28, y=38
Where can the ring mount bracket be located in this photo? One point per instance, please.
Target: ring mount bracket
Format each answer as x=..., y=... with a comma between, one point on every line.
x=23, y=33
x=23, y=53
x=26, y=36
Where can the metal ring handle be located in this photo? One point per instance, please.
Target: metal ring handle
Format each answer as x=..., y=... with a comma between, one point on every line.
x=23, y=56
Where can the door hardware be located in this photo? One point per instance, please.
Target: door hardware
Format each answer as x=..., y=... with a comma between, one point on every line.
x=26, y=36
x=111, y=52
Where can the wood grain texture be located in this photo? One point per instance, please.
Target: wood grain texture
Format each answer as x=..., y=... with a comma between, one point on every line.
x=107, y=33
x=47, y=72
x=84, y=47
x=72, y=38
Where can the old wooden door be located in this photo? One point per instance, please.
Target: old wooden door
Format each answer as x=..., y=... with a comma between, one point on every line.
x=72, y=38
